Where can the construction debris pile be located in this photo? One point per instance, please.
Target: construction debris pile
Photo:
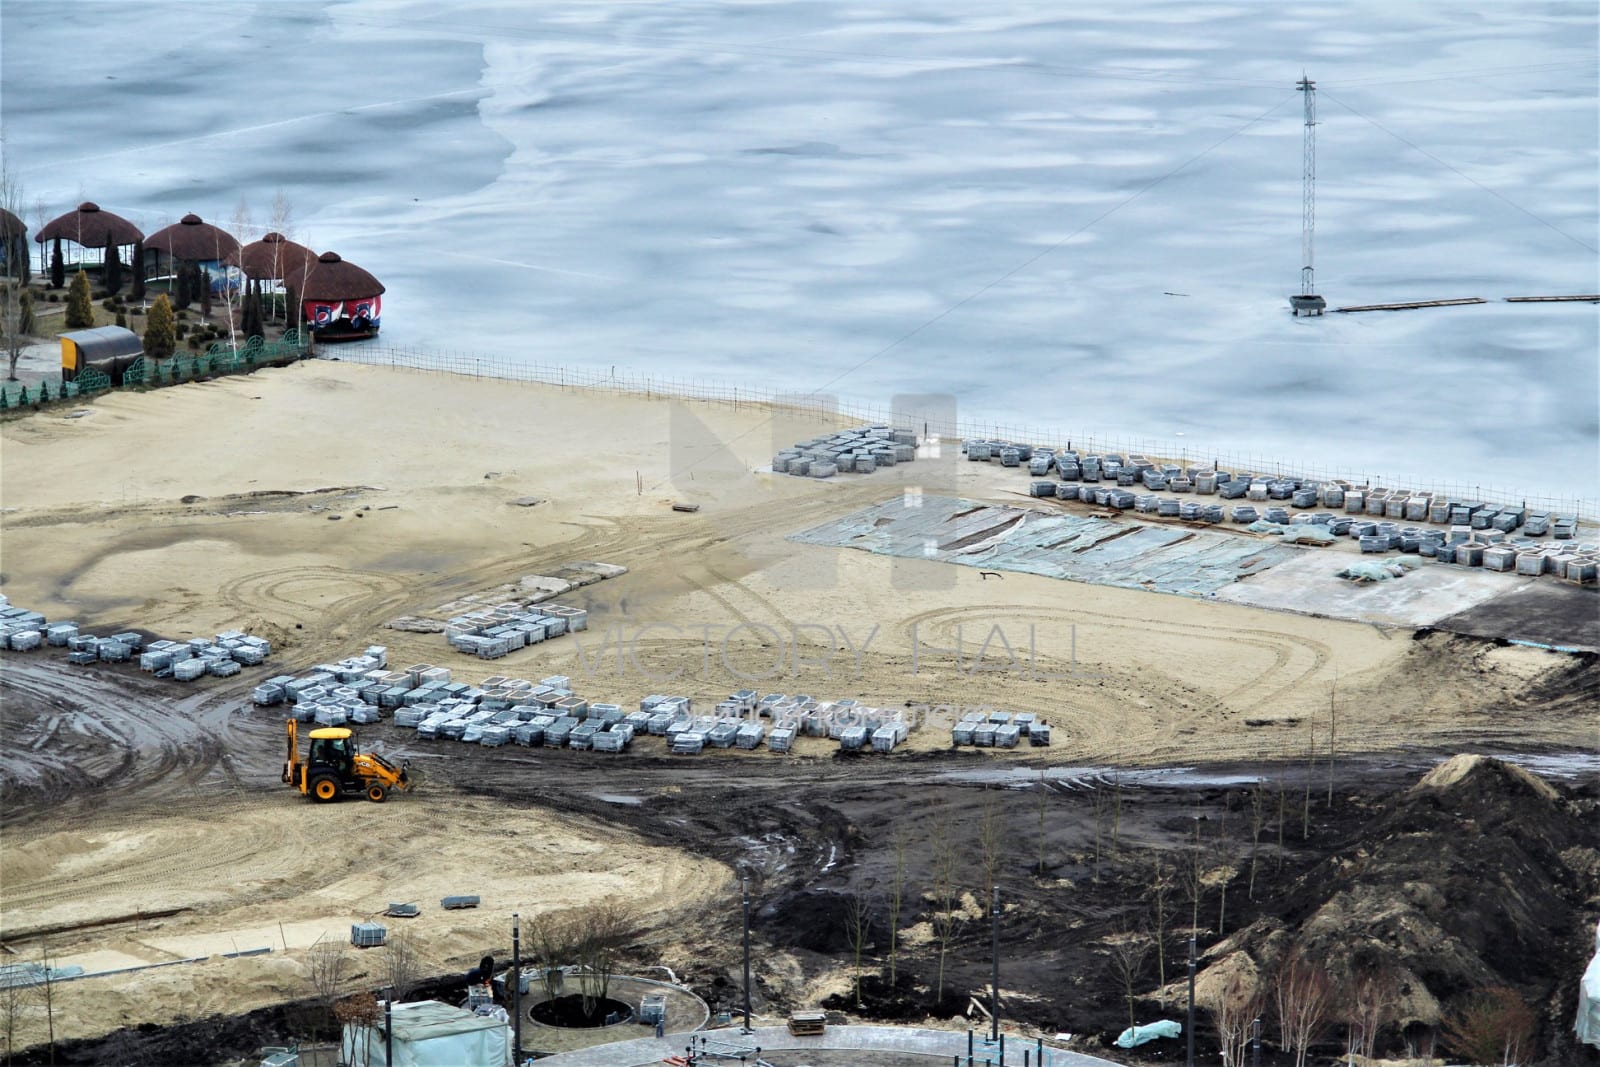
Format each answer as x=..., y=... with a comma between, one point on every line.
x=221, y=656
x=1474, y=534
x=860, y=451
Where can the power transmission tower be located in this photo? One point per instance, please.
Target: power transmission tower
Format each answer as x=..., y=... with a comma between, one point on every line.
x=1307, y=302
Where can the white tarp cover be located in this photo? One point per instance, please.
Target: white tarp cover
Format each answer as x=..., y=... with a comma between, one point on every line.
x=1588, y=1025
x=431, y=1034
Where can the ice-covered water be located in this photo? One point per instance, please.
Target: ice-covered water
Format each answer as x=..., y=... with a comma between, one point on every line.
x=1084, y=215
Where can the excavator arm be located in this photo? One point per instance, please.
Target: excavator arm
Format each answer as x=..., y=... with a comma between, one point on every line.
x=291, y=762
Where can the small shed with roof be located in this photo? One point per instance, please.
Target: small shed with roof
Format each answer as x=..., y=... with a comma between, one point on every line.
x=89, y=227
x=107, y=349
x=341, y=301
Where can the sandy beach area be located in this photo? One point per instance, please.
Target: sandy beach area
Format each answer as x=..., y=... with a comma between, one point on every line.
x=313, y=504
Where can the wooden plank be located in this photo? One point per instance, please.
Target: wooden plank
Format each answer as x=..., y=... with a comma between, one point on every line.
x=1415, y=304
x=690, y=508
x=1591, y=298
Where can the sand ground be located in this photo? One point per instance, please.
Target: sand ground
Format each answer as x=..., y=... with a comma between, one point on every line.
x=314, y=503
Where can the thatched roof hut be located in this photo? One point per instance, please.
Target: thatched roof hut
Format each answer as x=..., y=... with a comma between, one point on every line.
x=271, y=258
x=90, y=227
x=330, y=279
x=194, y=241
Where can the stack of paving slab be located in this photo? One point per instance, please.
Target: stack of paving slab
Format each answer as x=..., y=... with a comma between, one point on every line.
x=859, y=451
x=1379, y=519
x=222, y=655
x=999, y=729
x=498, y=631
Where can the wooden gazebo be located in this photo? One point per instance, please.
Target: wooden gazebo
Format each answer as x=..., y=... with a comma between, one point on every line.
x=192, y=240
x=88, y=227
x=341, y=301
x=271, y=258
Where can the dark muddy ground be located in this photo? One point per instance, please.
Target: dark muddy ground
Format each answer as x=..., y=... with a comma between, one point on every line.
x=814, y=835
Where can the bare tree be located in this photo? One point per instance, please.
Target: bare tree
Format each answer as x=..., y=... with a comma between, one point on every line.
x=14, y=998
x=1283, y=804
x=16, y=273
x=1160, y=893
x=1102, y=809
x=945, y=916
x=555, y=938
x=1303, y=996
x=992, y=841
x=1492, y=1025
x=897, y=890
x=1333, y=722
x=604, y=928
x=401, y=964
x=1044, y=797
x=1258, y=822
x=1225, y=850
x=1192, y=878
x=356, y=1016
x=242, y=228
x=1311, y=768
x=857, y=927
x=48, y=994
x=1369, y=1005
x=327, y=967
x=1128, y=947
x=282, y=222
x=1237, y=1006
x=1116, y=810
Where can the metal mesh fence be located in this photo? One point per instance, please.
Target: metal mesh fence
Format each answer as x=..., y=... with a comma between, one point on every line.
x=938, y=418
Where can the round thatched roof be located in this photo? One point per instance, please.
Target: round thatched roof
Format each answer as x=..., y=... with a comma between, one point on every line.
x=191, y=239
x=331, y=278
x=11, y=226
x=272, y=257
x=89, y=226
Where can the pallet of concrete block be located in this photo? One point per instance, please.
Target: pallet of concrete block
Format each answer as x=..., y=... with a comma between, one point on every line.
x=189, y=669
x=58, y=634
x=25, y=640
x=750, y=735
x=687, y=743
x=611, y=740
x=368, y=934
x=782, y=737
x=1039, y=734
x=884, y=738
x=269, y=692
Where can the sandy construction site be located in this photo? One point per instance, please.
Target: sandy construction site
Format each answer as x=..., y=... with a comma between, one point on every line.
x=144, y=821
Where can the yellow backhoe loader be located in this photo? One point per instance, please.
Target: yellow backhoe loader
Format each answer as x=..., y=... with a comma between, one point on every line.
x=333, y=768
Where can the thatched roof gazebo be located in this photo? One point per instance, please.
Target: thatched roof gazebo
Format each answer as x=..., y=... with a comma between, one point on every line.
x=90, y=227
x=341, y=301
x=271, y=258
x=192, y=240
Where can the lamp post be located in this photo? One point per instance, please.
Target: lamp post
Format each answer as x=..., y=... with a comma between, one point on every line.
x=994, y=977
x=744, y=889
x=1190, y=1028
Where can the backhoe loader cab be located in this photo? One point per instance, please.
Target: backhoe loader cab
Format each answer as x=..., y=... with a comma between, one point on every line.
x=333, y=768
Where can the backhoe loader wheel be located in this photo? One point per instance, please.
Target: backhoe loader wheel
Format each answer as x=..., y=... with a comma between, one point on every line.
x=377, y=793
x=325, y=789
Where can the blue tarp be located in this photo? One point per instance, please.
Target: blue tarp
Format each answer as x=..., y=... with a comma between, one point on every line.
x=1141, y=1035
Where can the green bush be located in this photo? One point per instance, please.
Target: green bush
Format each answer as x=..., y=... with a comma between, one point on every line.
x=159, y=336
x=80, y=311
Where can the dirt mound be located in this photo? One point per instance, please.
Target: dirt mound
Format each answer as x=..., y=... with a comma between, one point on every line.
x=1482, y=772
x=1479, y=875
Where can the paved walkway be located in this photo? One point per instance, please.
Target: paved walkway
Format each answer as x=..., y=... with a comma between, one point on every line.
x=891, y=1044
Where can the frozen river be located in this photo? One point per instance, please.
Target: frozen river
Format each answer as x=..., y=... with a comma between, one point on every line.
x=1079, y=215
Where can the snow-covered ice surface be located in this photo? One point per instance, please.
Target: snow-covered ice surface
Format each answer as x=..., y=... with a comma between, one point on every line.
x=1080, y=215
